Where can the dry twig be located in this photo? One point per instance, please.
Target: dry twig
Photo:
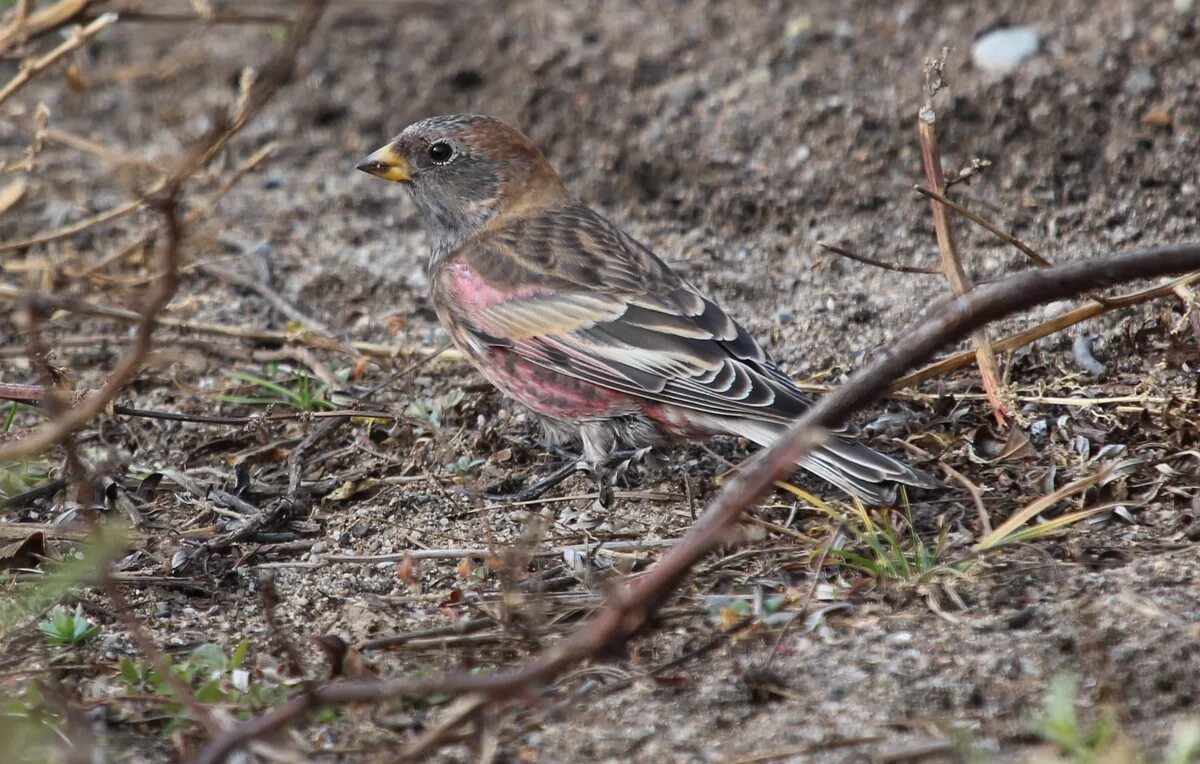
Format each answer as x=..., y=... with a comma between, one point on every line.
x=996, y=231
x=1044, y=329
x=28, y=24
x=304, y=339
x=951, y=262
x=254, y=96
x=838, y=250
x=77, y=416
x=31, y=69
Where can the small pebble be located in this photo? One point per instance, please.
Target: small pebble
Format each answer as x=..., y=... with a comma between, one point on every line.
x=1084, y=358
x=1002, y=50
x=1157, y=117
x=1139, y=80
x=417, y=280
x=797, y=27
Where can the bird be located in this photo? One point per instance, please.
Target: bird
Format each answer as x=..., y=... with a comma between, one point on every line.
x=585, y=326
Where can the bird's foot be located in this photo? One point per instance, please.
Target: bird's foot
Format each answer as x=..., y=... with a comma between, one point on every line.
x=629, y=464
x=624, y=469
x=620, y=468
x=536, y=490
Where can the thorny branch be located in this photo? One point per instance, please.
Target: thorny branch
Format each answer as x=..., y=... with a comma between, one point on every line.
x=631, y=608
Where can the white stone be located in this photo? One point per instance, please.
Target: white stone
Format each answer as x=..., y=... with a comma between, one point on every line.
x=1002, y=50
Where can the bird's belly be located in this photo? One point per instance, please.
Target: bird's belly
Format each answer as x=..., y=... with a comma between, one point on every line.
x=550, y=393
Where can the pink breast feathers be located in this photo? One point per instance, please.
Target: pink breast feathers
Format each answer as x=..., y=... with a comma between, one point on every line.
x=538, y=388
x=471, y=290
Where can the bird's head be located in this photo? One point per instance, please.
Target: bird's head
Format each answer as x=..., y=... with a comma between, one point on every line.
x=464, y=170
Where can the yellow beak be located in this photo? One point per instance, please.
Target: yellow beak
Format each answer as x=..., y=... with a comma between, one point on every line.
x=386, y=163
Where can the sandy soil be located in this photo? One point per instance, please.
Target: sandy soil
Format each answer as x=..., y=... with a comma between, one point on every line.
x=730, y=137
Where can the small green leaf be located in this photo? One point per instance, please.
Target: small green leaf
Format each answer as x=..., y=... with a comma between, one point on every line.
x=130, y=673
x=209, y=660
x=239, y=654
x=742, y=607
x=210, y=692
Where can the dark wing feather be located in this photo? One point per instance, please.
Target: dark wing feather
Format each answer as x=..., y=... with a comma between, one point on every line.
x=607, y=310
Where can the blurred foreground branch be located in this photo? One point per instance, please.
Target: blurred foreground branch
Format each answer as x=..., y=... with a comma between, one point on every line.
x=256, y=92
x=32, y=68
x=630, y=608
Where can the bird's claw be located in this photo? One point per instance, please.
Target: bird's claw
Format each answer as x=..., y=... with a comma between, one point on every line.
x=626, y=465
x=626, y=470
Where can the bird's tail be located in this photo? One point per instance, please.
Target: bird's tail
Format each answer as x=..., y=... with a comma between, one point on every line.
x=851, y=466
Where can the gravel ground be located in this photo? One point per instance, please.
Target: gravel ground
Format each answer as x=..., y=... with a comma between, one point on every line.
x=730, y=137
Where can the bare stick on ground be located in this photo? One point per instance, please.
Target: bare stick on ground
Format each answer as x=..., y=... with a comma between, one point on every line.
x=951, y=263
x=838, y=250
x=630, y=608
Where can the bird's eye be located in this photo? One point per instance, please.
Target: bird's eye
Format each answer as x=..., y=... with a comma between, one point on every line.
x=441, y=152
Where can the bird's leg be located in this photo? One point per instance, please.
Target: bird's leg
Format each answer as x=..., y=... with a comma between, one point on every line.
x=598, y=439
x=614, y=468
x=603, y=476
x=598, y=459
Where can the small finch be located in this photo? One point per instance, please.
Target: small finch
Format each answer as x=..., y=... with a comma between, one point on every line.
x=582, y=324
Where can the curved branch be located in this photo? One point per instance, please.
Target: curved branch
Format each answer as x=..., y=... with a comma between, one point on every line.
x=630, y=608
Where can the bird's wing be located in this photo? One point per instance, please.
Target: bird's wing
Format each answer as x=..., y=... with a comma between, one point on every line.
x=572, y=293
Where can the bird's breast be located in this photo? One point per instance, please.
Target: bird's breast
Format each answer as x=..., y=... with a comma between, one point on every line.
x=470, y=289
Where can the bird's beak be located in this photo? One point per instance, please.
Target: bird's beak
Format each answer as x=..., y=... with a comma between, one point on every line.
x=388, y=164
